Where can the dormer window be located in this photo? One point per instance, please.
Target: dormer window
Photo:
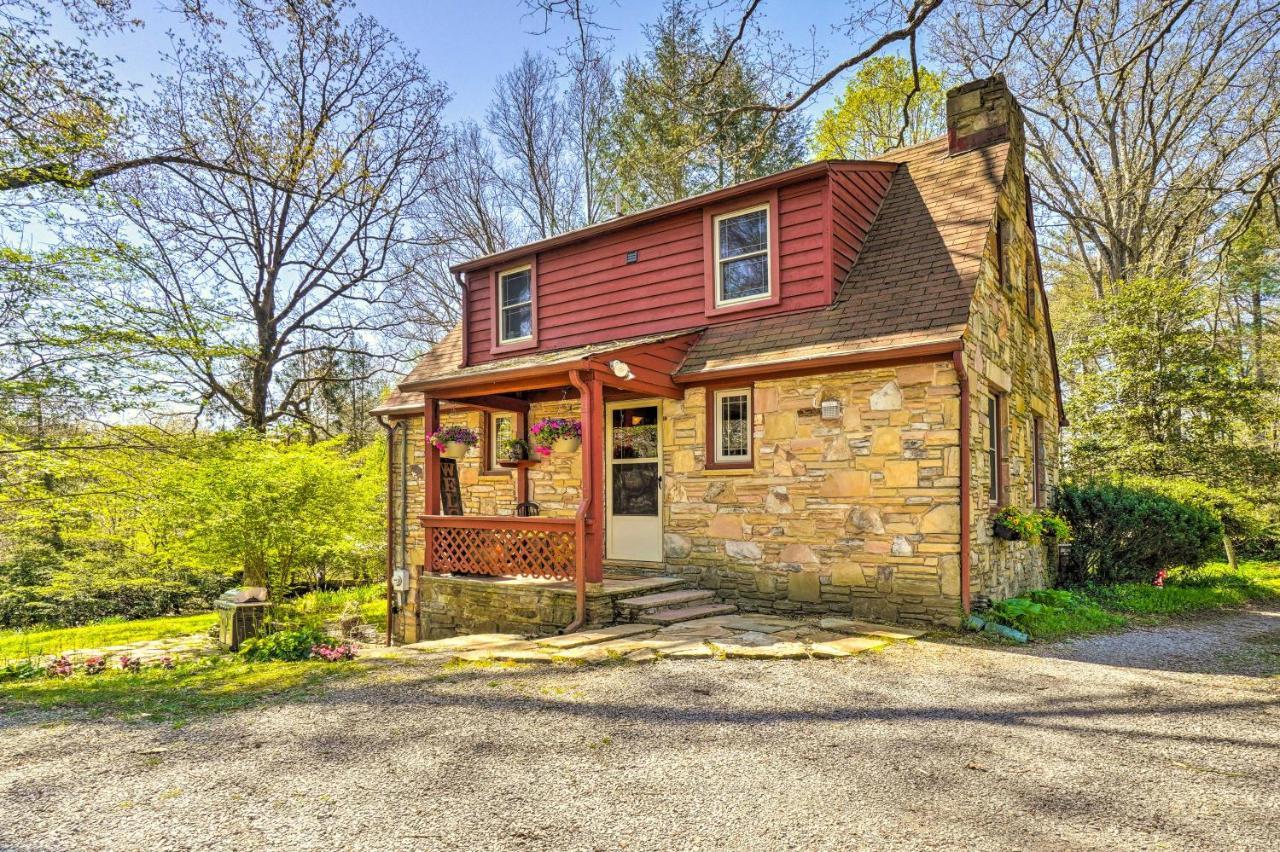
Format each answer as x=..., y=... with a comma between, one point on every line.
x=515, y=305
x=742, y=256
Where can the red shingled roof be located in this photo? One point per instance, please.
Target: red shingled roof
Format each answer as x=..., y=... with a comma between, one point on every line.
x=912, y=283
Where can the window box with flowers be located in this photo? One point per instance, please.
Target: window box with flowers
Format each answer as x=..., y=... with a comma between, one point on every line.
x=560, y=434
x=454, y=441
x=1013, y=524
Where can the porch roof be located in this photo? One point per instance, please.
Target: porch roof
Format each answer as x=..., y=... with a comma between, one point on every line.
x=653, y=358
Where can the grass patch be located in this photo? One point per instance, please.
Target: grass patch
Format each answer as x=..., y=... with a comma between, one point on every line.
x=319, y=606
x=1057, y=613
x=22, y=644
x=177, y=695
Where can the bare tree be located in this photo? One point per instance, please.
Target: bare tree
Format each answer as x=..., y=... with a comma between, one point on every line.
x=248, y=289
x=532, y=129
x=1147, y=116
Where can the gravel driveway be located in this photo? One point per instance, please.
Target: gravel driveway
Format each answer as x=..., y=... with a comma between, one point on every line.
x=924, y=746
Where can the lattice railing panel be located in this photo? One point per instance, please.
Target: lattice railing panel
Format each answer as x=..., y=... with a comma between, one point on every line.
x=504, y=552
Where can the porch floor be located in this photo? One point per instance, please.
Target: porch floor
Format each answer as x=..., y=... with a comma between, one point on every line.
x=613, y=586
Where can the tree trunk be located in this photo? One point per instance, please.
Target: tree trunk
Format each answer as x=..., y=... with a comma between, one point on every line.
x=1229, y=546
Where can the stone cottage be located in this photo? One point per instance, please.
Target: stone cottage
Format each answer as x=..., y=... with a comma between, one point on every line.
x=807, y=393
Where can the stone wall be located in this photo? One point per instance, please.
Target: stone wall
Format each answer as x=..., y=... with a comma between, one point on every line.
x=1007, y=351
x=453, y=605
x=858, y=515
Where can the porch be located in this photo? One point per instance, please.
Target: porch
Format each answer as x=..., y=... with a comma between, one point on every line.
x=554, y=540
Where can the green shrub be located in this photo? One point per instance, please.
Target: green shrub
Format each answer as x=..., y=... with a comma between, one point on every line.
x=1125, y=534
x=287, y=645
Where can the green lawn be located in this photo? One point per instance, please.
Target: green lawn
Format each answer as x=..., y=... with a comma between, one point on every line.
x=21, y=644
x=1054, y=614
x=313, y=607
x=189, y=690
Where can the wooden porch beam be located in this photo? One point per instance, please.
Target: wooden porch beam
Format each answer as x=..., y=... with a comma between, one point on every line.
x=647, y=381
x=491, y=402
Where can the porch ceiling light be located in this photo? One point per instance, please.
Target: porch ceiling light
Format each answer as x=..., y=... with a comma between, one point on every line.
x=621, y=369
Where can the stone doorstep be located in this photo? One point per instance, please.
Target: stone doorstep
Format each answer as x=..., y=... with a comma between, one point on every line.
x=592, y=637
x=674, y=616
x=867, y=628
x=666, y=599
x=846, y=647
x=465, y=642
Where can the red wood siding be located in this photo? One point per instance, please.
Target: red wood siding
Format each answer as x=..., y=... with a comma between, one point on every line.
x=588, y=293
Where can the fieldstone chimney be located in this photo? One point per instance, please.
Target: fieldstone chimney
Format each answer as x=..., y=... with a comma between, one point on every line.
x=982, y=113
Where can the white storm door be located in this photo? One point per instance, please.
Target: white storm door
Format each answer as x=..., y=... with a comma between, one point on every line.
x=633, y=480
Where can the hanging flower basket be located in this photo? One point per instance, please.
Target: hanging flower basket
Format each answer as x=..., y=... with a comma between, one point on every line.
x=1012, y=524
x=556, y=433
x=454, y=441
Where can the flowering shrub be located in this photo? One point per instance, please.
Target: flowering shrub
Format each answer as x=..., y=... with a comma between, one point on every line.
x=287, y=645
x=130, y=664
x=334, y=653
x=165, y=662
x=1161, y=576
x=454, y=435
x=61, y=667
x=551, y=429
x=95, y=664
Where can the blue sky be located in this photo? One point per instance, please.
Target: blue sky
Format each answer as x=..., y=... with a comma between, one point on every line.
x=468, y=43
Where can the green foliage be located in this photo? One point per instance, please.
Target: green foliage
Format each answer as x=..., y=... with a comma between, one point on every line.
x=137, y=522
x=1053, y=525
x=1055, y=613
x=187, y=691
x=314, y=608
x=1050, y=613
x=867, y=118
x=1130, y=534
x=1242, y=518
x=674, y=132
x=287, y=645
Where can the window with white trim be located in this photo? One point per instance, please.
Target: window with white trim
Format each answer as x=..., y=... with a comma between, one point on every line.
x=742, y=256
x=515, y=305
x=732, y=421
x=502, y=428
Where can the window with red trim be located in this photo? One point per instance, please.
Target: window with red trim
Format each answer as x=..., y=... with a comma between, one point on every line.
x=729, y=428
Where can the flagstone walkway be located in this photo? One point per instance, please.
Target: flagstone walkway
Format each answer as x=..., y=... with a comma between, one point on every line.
x=176, y=648
x=737, y=636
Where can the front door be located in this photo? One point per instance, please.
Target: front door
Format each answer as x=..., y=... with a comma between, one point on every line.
x=633, y=481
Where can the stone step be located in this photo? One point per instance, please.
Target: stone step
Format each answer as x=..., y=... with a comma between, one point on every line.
x=667, y=599
x=601, y=634
x=689, y=613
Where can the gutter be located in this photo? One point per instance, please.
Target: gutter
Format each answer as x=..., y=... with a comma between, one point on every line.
x=390, y=430
x=966, y=463
x=580, y=518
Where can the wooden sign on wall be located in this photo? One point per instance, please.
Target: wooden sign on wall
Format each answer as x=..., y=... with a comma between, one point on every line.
x=450, y=489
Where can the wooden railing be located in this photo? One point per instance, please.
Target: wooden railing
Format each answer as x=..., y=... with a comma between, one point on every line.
x=502, y=546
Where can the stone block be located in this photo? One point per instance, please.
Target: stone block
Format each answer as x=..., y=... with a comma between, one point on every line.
x=941, y=519
x=780, y=425
x=748, y=550
x=804, y=587
x=800, y=553
x=846, y=483
x=886, y=440
x=901, y=474
x=676, y=546
x=887, y=398
x=725, y=525
x=848, y=575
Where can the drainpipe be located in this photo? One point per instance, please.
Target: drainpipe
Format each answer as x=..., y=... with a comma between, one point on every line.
x=462, y=285
x=391, y=448
x=580, y=519
x=966, y=461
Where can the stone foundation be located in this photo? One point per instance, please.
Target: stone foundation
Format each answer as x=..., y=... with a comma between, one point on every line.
x=452, y=605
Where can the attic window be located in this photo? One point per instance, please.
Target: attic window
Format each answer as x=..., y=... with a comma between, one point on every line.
x=515, y=300
x=742, y=256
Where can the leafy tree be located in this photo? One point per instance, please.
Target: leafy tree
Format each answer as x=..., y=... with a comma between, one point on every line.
x=672, y=139
x=882, y=107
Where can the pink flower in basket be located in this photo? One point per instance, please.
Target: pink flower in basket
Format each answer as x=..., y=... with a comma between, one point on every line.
x=547, y=431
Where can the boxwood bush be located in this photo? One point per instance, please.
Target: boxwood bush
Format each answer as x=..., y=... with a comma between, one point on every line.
x=1125, y=534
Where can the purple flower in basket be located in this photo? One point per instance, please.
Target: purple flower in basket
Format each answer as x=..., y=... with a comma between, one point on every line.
x=458, y=434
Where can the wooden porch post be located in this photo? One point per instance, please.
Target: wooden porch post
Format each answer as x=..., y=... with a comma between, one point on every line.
x=593, y=445
x=431, y=473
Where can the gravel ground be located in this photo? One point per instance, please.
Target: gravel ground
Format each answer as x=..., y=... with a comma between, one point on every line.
x=923, y=746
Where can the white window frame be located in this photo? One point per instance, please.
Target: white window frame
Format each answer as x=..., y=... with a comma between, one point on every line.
x=491, y=463
x=717, y=424
x=502, y=309
x=719, y=261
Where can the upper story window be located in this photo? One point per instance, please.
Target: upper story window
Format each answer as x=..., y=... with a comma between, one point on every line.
x=742, y=256
x=515, y=305
x=729, y=429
